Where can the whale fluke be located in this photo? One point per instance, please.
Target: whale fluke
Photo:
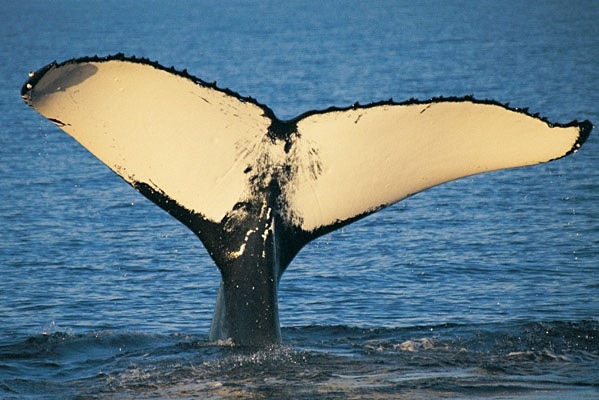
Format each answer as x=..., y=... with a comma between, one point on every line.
x=256, y=189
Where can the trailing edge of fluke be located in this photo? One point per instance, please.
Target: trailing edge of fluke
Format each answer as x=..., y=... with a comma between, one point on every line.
x=256, y=189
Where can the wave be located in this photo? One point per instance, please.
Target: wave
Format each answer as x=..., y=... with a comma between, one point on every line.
x=337, y=361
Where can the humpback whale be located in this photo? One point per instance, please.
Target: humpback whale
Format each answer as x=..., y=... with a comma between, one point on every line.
x=254, y=188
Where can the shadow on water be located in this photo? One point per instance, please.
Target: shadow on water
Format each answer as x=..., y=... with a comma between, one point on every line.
x=490, y=360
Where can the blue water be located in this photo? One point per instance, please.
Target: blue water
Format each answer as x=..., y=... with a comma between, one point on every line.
x=487, y=287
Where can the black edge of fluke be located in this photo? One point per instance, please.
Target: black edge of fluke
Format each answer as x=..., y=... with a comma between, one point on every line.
x=448, y=99
x=34, y=77
x=282, y=129
x=585, y=128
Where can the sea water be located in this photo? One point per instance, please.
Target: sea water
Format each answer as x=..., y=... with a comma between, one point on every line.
x=486, y=287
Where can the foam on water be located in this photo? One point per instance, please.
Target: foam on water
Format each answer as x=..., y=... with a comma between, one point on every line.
x=340, y=362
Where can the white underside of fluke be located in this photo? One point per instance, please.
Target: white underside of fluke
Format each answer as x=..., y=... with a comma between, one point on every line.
x=201, y=145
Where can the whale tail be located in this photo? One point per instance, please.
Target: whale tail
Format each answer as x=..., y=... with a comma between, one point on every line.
x=256, y=189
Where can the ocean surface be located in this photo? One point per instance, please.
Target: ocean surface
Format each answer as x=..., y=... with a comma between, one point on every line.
x=486, y=287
